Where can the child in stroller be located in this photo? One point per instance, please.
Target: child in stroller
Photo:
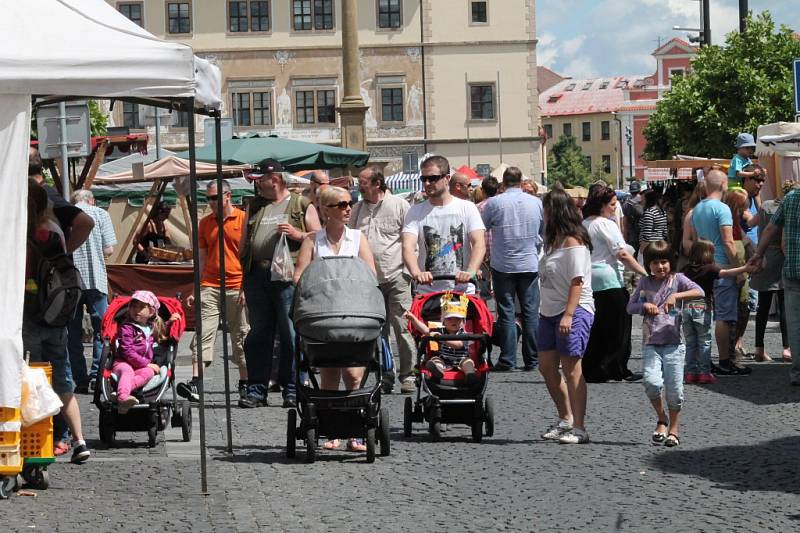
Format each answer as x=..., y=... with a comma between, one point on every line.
x=137, y=368
x=133, y=361
x=452, y=353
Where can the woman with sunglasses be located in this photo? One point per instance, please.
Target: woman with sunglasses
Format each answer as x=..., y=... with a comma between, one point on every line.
x=336, y=240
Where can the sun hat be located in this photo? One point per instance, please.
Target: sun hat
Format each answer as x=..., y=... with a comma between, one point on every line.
x=745, y=140
x=147, y=297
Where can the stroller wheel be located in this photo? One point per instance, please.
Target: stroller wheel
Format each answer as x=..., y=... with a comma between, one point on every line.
x=186, y=421
x=311, y=445
x=477, y=430
x=371, y=445
x=383, y=436
x=488, y=410
x=408, y=414
x=152, y=431
x=435, y=429
x=291, y=428
x=36, y=477
x=107, y=433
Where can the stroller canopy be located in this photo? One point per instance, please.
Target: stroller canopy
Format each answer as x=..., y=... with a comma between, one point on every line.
x=338, y=300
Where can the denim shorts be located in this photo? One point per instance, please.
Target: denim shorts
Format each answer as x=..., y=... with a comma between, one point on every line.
x=726, y=299
x=574, y=344
x=49, y=345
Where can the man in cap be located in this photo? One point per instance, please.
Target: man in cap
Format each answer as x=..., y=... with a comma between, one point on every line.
x=273, y=212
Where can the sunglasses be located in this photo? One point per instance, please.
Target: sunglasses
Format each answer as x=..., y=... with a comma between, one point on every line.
x=341, y=205
x=433, y=178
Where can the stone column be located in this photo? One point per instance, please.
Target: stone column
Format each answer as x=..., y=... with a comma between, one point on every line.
x=352, y=111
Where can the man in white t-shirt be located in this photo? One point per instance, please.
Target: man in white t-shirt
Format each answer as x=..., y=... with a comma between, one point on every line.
x=443, y=235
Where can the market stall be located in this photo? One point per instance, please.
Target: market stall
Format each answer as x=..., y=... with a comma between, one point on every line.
x=778, y=150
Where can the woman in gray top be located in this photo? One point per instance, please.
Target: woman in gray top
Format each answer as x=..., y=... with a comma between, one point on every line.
x=767, y=282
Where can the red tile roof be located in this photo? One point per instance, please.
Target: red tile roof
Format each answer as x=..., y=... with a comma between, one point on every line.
x=580, y=97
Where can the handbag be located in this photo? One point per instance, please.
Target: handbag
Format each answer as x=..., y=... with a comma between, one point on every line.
x=282, y=267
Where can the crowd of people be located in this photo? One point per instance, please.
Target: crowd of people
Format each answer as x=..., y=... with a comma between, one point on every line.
x=555, y=270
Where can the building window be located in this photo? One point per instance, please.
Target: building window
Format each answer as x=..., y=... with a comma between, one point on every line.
x=410, y=162
x=588, y=160
x=607, y=164
x=479, y=14
x=392, y=104
x=179, y=17
x=315, y=106
x=481, y=101
x=605, y=130
x=568, y=129
x=241, y=19
x=586, y=131
x=130, y=116
x=676, y=72
x=307, y=15
x=133, y=11
x=252, y=108
x=548, y=130
x=390, y=14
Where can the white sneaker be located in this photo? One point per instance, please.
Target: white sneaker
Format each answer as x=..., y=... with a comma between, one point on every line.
x=126, y=404
x=575, y=436
x=557, y=430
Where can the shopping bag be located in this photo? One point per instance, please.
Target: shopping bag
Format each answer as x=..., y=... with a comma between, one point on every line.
x=282, y=263
x=39, y=401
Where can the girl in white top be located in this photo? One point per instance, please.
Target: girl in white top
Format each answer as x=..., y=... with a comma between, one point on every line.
x=336, y=240
x=566, y=313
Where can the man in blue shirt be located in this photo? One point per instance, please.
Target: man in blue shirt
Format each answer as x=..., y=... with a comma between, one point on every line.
x=516, y=222
x=713, y=221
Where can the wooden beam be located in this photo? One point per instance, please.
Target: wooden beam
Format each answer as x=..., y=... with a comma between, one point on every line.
x=99, y=157
x=125, y=251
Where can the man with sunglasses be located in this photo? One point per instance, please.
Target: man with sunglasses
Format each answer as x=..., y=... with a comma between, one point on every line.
x=208, y=241
x=443, y=235
x=380, y=217
x=273, y=212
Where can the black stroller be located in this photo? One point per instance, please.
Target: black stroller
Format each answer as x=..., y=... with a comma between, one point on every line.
x=338, y=315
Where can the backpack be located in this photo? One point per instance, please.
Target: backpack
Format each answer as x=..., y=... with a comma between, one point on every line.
x=53, y=287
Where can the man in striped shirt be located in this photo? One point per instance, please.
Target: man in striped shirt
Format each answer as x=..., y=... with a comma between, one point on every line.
x=653, y=224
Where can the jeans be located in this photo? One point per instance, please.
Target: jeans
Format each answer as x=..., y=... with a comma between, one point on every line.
x=791, y=299
x=663, y=371
x=397, y=297
x=697, y=316
x=96, y=304
x=525, y=286
x=268, y=305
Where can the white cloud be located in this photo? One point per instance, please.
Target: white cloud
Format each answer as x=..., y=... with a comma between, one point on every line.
x=580, y=68
x=571, y=46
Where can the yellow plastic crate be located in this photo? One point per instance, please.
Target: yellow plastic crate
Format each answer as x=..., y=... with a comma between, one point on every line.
x=10, y=414
x=9, y=438
x=37, y=439
x=10, y=460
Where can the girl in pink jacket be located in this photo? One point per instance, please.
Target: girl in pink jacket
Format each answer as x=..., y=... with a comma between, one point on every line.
x=133, y=360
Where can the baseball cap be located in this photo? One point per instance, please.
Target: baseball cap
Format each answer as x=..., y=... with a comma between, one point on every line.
x=265, y=166
x=745, y=140
x=635, y=187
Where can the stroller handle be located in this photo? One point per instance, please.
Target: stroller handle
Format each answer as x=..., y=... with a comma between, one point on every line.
x=452, y=277
x=462, y=337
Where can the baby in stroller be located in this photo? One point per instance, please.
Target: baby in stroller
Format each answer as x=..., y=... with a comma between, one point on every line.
x=451, y=354
x=133, y=360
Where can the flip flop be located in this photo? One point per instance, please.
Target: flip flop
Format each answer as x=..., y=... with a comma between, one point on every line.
x=659, y=436
x=332, y=444
x=672, y=441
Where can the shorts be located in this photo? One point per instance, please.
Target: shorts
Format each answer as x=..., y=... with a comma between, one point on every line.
x=49, y=345
x=572, y=345
x=726, y=299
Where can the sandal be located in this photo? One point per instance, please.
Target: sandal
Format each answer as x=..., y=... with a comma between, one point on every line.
x=672, y=440
x=659, y=436
x=787, y=357
x=332, y=444
x=356, y=445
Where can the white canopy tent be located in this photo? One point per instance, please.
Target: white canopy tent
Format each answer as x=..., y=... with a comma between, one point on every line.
x=778, y=150
x=70, y=48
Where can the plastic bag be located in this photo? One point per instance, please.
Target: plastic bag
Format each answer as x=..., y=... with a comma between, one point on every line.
x=282, y=263
x=39, y=401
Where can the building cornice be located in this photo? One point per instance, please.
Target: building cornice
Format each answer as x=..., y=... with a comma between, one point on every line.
x=198, y=50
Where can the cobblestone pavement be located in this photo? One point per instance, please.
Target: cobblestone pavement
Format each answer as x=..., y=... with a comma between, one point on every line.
x=737, y=469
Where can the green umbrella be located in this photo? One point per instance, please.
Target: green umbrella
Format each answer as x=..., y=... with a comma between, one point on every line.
x=293, y=155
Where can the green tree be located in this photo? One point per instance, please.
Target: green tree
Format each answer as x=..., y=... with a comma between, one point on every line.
x=731, y=89
x=99, y=120
x=567, y=164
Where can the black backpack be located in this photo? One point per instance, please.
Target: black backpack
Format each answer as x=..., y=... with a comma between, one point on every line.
x=53, y=288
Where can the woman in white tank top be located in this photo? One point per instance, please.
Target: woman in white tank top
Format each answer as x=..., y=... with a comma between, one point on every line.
x=336, y=240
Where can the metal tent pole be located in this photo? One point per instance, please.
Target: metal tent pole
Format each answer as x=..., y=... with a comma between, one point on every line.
x=223, y=294
x=198, y=324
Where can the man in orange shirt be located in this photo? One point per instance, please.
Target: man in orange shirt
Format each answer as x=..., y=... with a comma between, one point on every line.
x=207, y=234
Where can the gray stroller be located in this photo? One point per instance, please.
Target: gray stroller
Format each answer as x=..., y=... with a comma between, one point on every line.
x=338, y=314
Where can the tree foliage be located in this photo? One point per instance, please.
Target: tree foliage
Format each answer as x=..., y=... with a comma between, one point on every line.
x=567, y=164
x=731, y=89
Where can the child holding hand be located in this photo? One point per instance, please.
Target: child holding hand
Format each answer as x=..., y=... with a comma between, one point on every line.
x=452, y=353
x=663, y=353
x=133, y=359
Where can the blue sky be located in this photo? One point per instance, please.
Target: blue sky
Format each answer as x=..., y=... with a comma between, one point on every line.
x=594, y=38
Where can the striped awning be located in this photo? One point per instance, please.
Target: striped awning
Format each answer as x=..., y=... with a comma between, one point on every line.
x=404, y=182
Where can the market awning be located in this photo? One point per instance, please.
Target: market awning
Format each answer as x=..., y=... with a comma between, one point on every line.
x=293, y=155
